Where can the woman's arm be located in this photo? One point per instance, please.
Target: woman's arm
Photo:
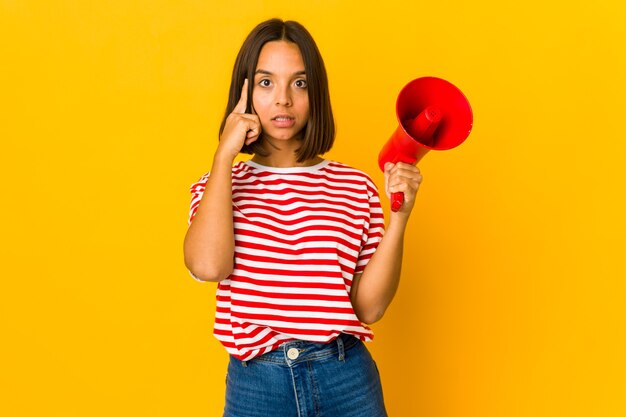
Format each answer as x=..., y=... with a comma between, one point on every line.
x=210, y=242
x=374, y=289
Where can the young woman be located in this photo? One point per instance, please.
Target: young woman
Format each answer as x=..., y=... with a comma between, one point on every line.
x=294, y=241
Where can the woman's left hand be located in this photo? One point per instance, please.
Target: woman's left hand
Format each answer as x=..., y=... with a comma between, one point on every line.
x=403, y=178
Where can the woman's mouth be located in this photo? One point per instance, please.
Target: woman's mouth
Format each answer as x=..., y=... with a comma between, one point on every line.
x=283, y=121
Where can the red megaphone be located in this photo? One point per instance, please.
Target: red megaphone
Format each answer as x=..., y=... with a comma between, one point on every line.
x=432, y=114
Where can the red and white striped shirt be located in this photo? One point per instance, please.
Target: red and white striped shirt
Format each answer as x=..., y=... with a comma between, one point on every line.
x=301, y=234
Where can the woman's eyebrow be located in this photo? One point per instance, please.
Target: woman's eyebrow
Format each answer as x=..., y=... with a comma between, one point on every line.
x=265, y=72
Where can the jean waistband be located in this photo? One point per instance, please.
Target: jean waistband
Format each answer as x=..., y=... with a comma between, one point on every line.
x=295, y=351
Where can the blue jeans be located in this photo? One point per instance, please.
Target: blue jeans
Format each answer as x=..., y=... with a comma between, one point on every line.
x=306, y=379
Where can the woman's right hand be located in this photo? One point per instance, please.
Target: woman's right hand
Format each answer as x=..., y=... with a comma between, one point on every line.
x=240, y=127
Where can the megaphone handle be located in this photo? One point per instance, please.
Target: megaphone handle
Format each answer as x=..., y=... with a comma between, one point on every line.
x=397, y=199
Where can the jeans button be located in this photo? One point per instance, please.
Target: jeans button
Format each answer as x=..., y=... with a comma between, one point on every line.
x=293, y=354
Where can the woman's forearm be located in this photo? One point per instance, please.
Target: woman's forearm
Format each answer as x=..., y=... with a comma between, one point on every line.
x=377, y=286
x=373, y=291
x=209, y=242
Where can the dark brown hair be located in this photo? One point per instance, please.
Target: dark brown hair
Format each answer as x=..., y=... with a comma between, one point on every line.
x=319, y=132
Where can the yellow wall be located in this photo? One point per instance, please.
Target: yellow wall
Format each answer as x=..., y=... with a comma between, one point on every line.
x=512, y=300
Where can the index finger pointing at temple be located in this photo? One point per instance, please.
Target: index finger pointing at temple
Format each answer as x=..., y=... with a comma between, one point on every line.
x=243, y=101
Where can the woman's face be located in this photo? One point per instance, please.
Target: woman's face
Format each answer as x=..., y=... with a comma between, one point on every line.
x=280, y=97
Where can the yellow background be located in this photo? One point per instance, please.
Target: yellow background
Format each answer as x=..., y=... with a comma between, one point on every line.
x=512, y=301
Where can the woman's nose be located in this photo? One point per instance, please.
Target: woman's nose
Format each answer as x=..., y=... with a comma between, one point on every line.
x=283, y=96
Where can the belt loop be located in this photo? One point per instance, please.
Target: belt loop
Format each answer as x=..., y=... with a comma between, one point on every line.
x=340, y=347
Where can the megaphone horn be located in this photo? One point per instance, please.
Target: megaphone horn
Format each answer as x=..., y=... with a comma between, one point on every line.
x=432, y=114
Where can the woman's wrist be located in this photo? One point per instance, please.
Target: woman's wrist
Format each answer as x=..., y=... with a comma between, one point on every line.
x=397, y=223
x=222, y=159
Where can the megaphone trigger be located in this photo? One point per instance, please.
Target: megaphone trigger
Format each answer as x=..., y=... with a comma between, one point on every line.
x=397, y=200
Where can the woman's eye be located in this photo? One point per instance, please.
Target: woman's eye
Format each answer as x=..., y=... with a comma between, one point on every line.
x=301, y=84
x=264, y=83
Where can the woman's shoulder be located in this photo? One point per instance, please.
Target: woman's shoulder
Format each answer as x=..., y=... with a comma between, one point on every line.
x=350, y=173
x=342, y=168
x=199, y=185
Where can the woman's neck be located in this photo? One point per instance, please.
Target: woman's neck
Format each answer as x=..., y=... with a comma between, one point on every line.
x=284, y=161
x=284, y=156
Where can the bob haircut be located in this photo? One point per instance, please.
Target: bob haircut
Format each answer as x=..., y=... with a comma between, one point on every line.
x=319, y=132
